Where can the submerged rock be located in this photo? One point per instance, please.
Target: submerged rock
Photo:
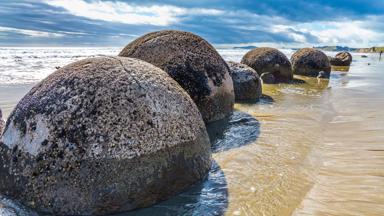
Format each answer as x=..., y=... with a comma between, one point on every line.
x=309, y=62
x=2, y=123
x=246, y=82
x=194, y=64
x=269, y=60
x=100, y=136
x=341, y=59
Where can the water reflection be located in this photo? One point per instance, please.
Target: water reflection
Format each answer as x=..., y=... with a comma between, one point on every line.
x=308, y=86
x=209, y=197
x=340, y=68
x=233, y=132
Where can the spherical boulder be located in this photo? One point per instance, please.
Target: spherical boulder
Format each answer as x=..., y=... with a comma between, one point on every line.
x=100, y=136
x=341, y=59
x=269, y=60
x=309, y=62
x=246, y=82
x=194, y=64
x=2, y=123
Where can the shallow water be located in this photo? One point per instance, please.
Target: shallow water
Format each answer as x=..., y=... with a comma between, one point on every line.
x=315, y=149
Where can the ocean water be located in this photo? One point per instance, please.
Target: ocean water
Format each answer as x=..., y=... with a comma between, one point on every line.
x=315, y=148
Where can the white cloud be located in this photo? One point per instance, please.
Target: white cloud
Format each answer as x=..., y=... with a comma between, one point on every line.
x=126, y=13
x=291, y=32
x=345, y=32
x=31, y=33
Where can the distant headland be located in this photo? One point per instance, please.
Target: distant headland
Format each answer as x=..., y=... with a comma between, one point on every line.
x=332, y=48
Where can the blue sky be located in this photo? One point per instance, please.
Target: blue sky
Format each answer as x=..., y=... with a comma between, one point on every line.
x=279, y=23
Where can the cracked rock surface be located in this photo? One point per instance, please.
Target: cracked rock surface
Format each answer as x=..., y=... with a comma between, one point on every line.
x=100, y=136
x=194, y=64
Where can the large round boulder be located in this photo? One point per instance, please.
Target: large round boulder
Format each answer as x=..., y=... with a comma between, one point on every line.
x=2, y=123
x=194, y=64
x=100, y=136
x=309, y=62
x=341, y=59
x=269, y=60
x=246, y=82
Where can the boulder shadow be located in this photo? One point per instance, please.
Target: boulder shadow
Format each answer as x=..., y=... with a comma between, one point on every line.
x=297, y=81
x=340, y=68
x=235, y=131
x=209, y=197
x=264, y=99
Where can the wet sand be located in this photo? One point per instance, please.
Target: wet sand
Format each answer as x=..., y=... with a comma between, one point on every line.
x=320, y=150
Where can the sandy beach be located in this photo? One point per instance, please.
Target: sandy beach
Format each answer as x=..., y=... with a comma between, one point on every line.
x=10, y=96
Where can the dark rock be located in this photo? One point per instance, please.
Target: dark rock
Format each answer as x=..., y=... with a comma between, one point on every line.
x=194, y=64
x=309, y=62
x=364, y=56
x=341, y=59
x=100, y=136
x=269, y=60
x=268, y=78
x=246, y=82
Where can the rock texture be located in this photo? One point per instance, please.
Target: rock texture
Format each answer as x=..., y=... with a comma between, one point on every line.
x=2, y=123
x=194, y=64
x=9, y=207
x=268, y=78
x=269, y=60
x=246, y=82
x=309, y=62
x=100, y=136
x=341, y=59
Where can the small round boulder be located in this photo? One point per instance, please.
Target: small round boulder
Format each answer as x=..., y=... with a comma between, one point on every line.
x=100, y=136
x=309, y=62
x=341, y=59
x=194, y=64
x=246, y=82
x=269, y=60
